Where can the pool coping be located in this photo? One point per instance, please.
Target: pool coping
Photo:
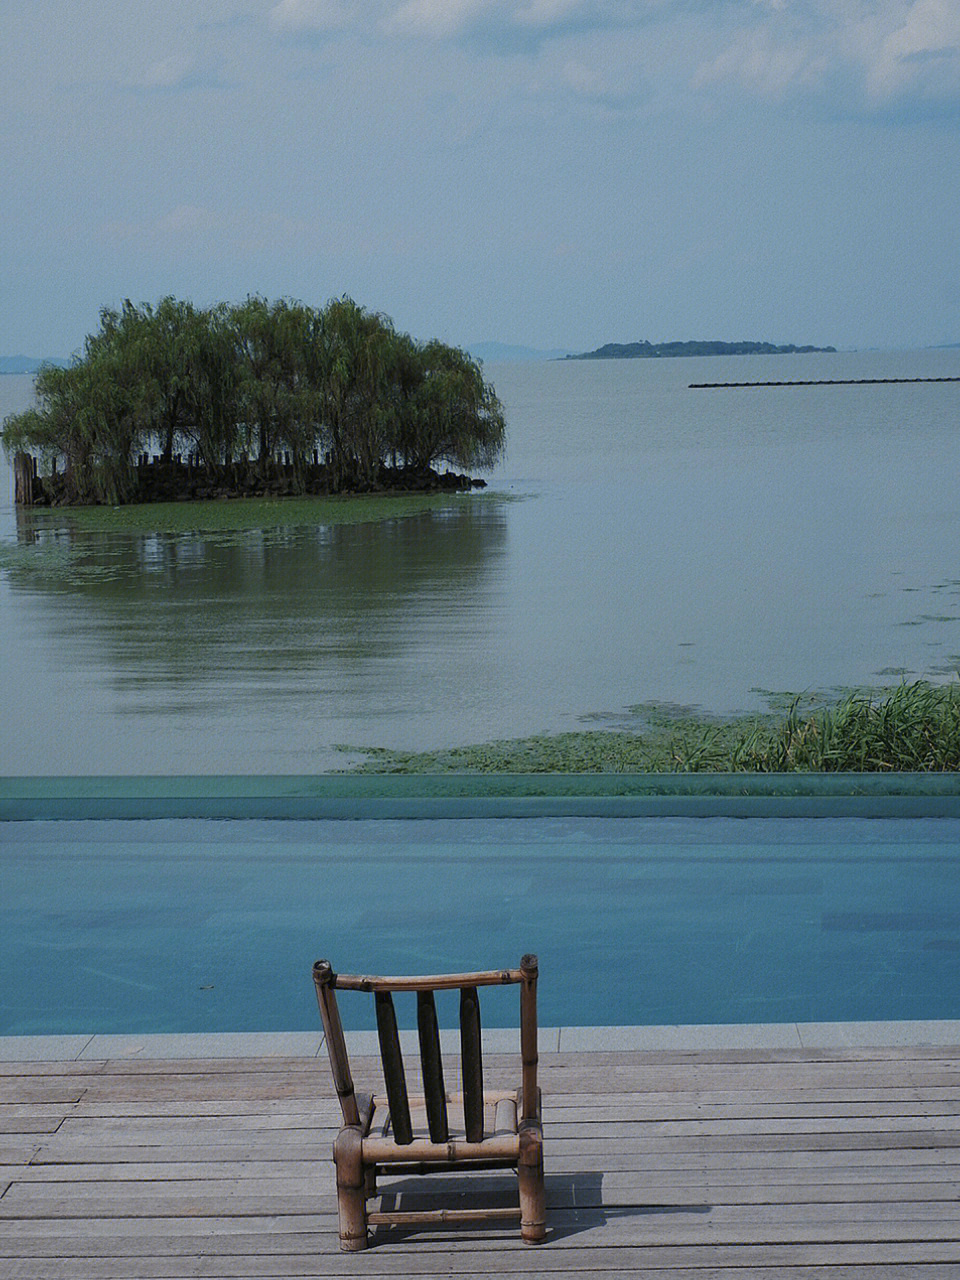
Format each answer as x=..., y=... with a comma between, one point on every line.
x=531, y=795
x=309, y=1044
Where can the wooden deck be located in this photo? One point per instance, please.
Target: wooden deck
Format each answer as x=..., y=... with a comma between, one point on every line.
x=754, y=1165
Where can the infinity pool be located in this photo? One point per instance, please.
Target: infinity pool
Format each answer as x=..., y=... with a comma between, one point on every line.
x=205, y=925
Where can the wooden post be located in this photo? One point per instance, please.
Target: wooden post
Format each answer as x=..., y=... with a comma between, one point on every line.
x=528, y=1036
x=533, y=1204
x=533, y=1201
x=351, y=1189
x=323, y=978
x=24, y=471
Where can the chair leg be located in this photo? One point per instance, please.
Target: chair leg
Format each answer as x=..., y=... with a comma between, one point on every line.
x=533, y=1200
x=351, y=1190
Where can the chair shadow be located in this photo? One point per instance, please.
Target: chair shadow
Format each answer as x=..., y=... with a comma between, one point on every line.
x=574, y=1205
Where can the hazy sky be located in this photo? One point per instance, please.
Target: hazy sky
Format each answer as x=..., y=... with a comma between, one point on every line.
x=549, y=172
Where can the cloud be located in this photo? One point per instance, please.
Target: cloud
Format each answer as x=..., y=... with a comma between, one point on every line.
x=515, y=22
x=439, y=18
x=763, y=64
x=885, y=49
x=923, y=51
x=546, y=12
x=308, y=16
x=173, y=72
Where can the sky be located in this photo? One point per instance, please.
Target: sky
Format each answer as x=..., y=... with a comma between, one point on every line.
x=556, y=173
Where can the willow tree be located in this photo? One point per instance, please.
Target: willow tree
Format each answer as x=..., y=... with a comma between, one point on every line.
x=212, y=389
x=252, y=380
x=352, y=355
x=450, y=412
x=85, y=424
x=163, y=345
x=275, y=405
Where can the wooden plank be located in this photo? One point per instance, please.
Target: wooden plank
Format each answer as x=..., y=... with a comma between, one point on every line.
x=389, y=1265
x=14, y=1110
x=655, y=1212
x=560, y=1099
x=17, y=1151
x=588, y=1184
x=324, y=1109
x=60, y=1204
x=291, y=1233
x=690, y=1107
x=786, y=1125
x=16, y=1067
x=678, y=1226
x=490, y=1252
x=276, y=1122
x=39, y=1090
x=379, y=1266
x=591, y=1137
x=574, y=1161
x=496, y=1266
x=143, y=1064
x=28, y=1124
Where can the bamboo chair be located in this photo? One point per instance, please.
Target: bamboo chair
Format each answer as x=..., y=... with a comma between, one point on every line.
x=516, y=1141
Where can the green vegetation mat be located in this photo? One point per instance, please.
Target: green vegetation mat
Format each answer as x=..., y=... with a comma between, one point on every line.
x=913, y=727
x=224, y=515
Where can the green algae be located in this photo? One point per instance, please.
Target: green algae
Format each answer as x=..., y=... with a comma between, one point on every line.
x=235, y=514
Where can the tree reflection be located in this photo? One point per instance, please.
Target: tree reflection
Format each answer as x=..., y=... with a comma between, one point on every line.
x=290, y=614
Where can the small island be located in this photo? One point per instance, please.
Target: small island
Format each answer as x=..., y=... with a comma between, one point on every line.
x=653, y=350
x=172, y=403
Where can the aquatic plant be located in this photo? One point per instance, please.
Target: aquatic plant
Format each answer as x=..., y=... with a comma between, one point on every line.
x=912, y=727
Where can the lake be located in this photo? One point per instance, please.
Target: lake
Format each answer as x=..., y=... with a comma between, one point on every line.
x=642, y=542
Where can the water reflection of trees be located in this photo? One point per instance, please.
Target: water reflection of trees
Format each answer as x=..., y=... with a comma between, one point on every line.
x=285, y=611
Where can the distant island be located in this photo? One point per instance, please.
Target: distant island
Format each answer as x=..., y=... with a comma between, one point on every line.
x=29, y=364
x=651, y=350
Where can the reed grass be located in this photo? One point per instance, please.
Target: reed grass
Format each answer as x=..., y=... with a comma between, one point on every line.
x=913, y=727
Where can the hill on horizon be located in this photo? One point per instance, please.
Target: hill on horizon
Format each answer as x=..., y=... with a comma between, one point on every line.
x=505, y=351
x=29, y=364
x=652, y=350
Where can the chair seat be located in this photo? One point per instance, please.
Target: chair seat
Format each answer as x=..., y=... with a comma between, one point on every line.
x=501, y=1138
x=499, y=1115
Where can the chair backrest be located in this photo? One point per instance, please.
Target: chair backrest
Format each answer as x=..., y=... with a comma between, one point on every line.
x=328, y=983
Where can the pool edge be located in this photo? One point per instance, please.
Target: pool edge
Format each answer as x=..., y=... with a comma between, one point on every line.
x=553, y=1040
x=351, y=797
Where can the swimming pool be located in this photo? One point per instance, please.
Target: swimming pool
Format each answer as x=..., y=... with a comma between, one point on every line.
x=211, y=925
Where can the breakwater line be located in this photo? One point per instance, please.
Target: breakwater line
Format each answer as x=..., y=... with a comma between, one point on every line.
x=816, y=382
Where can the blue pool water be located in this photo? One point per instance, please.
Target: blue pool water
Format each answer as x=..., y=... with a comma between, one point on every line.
x=199, y=925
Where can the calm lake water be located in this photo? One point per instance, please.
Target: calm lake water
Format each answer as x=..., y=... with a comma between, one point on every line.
x=643, y=541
